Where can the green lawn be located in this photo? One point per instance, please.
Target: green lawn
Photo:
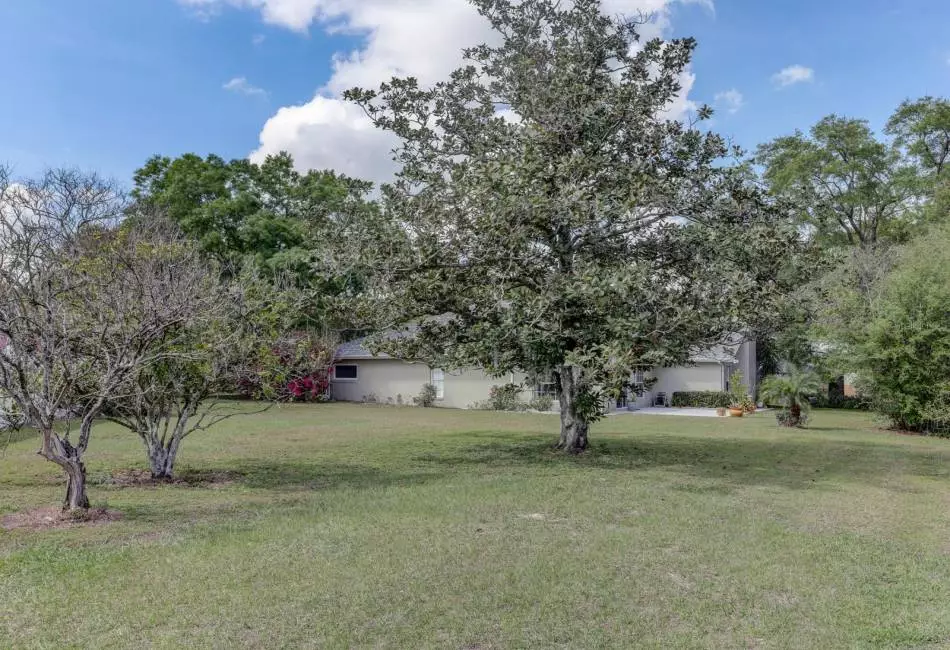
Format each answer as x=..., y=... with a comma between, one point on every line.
x=345, y=526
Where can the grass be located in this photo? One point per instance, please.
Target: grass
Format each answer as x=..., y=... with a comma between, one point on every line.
x=348, y=526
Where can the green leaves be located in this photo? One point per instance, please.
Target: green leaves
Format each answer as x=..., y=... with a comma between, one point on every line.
x=792, y=389
x=903, y=348
x=553, y=215
x=846, y=186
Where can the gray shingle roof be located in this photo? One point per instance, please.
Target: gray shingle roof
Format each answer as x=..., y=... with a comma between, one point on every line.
x=353, y=350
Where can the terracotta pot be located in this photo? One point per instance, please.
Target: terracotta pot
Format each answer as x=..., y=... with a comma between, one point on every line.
x=736, y=412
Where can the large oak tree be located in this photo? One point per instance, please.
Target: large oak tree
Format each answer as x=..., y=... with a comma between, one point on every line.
x=558, y=220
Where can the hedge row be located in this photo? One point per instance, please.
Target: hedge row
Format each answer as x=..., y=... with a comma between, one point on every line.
x=701, y=399
x=841, y=402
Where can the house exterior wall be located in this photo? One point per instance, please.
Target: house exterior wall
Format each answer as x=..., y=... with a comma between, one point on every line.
x=463, y=388
x=386, y=379
x=702, y=376
x=749, y=365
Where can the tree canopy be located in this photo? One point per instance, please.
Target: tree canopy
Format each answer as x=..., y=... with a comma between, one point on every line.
x=847, y=187
x=268, y=215
x=558, y=221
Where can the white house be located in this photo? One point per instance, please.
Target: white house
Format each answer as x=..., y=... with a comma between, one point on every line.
x=360, y=376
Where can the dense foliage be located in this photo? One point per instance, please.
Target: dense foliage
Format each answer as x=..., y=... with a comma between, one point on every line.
x=558, y=221
x=701, y=399
x=270, y=217
x=903, y=350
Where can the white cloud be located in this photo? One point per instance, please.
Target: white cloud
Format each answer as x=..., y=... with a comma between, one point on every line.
x=258, y=39
x=327, y=133
x=730, y=100
x=241, y=86
x=293, y=14
x=793, y=74
x=421, y=38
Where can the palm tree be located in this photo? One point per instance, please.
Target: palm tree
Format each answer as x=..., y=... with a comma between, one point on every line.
x=791, y=391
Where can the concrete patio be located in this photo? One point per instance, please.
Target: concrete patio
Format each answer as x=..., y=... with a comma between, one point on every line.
x=661, y=410
x=682, y=412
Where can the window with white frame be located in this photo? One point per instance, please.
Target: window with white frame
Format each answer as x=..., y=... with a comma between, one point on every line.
x=638, y=380
x=437, y=379
x=545, y=385
x=345, y=372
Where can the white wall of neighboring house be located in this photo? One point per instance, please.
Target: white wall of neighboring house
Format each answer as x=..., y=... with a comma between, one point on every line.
x=382, y=379
x=702, y=376
x=388, y=379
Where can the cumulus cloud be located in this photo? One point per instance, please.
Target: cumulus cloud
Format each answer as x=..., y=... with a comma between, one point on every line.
x=242, y=86
x=793, y=74
x=421, y=38
x=292, y=14
x=729, y=100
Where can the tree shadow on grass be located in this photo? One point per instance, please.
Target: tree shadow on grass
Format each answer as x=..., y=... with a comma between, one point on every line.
x=283, y=485
x=317, y=475
x=796, y=464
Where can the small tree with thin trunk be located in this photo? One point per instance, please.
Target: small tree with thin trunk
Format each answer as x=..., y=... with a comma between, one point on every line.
x=557, y=220
x=78, y=324
x=227, y=332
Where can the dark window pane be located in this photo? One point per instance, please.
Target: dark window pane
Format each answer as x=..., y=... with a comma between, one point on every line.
x=346, y=372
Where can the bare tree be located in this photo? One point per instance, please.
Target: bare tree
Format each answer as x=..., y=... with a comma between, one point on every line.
x=227, y=331
x=78, y=321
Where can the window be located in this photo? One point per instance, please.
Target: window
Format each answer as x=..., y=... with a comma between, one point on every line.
x=437, y=379
x=638, y=380
x=545, y=385
x=345, y=373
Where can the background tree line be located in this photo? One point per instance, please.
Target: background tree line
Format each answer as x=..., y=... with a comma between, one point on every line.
x=879, y=209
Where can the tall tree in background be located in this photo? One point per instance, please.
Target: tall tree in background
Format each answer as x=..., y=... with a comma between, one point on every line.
x=557, y=221
x=267, y=215
x=922, y=129
x=848, y=187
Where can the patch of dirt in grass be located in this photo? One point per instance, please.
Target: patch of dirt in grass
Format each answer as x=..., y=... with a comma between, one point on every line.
x=54, y=518
x=143, y=478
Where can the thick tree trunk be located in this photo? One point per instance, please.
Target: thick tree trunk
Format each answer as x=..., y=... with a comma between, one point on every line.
x=574, y=423
x=61, y=452
x=161, y=459
x=76, y=498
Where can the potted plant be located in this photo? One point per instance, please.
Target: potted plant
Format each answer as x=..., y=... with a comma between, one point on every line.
x=738, y=395
x=791, y=391
x=748, y=405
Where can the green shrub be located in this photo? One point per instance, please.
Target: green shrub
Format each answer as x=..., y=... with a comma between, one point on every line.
x=841, y=402
x=506, y=398
x=426, y=399
x=543, y=403
x=903, y=353
x=701, y=399
x=737, y=390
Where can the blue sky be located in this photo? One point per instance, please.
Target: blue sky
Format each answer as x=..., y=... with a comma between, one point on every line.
x=103, y=84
